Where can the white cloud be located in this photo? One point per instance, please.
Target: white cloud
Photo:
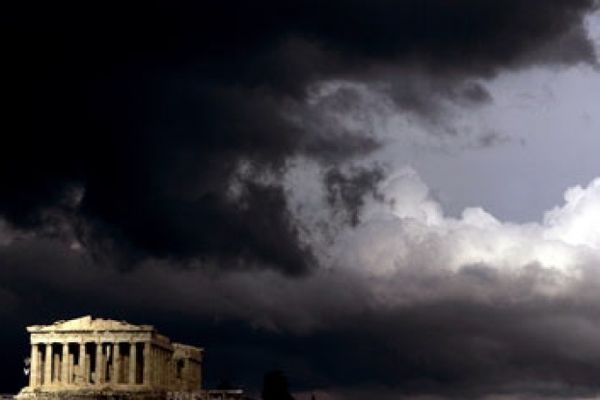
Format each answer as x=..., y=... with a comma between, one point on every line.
x=407, y=233
x=578, y=221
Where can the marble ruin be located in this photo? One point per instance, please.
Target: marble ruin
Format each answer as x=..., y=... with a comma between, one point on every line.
x=94, y=358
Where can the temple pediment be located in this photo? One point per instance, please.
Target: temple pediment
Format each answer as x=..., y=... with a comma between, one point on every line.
x=87, y=323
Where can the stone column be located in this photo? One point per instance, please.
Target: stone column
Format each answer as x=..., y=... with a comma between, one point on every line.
x=64, y=373
x=82, y=369
x=100, y=364
x=163, y=366
x=34, y=366
x=71, y=371
x=159, y=365
x=132, y=363
x=167, y=370
x=116, y=362
x=166, y=366
x=88, y=368
x=152, y=365
x=40, y=363
x=147, y=367
x=56, y=368
x=48, y=365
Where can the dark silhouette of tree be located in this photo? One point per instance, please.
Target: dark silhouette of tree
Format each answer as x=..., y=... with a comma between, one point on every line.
x=275, y=386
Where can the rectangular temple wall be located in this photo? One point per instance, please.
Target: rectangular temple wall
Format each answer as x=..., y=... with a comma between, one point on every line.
x=85, y=357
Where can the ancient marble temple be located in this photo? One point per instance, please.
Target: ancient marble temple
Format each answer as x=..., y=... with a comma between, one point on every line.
x=94, y=356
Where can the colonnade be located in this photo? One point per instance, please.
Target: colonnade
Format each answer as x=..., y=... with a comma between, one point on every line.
x=98, y=363
x=97, y=354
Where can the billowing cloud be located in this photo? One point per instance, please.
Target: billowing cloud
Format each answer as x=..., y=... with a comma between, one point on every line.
x=152, y=109
x=411, y=299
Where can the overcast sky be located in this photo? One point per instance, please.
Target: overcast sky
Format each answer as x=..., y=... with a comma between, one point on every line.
x=393, y=200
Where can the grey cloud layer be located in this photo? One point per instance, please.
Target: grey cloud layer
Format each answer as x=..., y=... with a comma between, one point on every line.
x=410, y=299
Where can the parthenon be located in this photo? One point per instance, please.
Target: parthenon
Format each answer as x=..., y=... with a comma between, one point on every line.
x=92, y=356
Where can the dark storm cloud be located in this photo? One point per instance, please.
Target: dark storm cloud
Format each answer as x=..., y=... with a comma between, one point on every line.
x=151, y=107
x=465, y=349
x=476, y=93
x=485, y=331
x=346, y=191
